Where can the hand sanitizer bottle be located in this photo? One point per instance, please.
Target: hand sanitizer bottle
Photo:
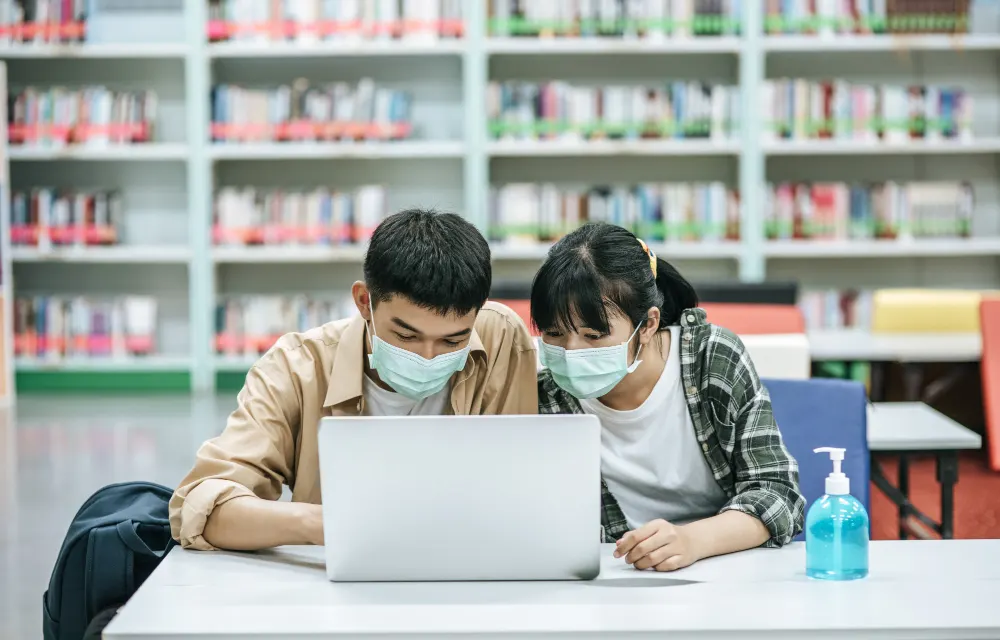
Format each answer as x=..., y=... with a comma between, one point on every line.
x=836, y=529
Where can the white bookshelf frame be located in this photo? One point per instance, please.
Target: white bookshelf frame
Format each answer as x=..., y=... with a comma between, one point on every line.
x=201, y=157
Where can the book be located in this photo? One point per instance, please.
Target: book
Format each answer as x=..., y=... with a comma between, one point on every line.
x=800, y=109
x=248, y=216
x=528, y=214
x=247, y=326
x=349, y=21
x=886, y=210
x=559, y=110
x=93, y=116
x=832, y=309
x=47, y=217
x=56, y=328
x=653, y=20
x=831, y=18
x=301, y=112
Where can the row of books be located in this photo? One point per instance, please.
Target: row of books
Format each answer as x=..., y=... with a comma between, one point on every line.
x=249, y=216
x=92, y=116
x=682, y=212
x=831, y=17
x=558, y=109
x=889, y=210
x=51, y=328
x=42, y=21
x=247, y=326
x=651, y=19
x=46, y=217
x=836, y=309
x=805, y=109
x=308, y=21
x=301, y=111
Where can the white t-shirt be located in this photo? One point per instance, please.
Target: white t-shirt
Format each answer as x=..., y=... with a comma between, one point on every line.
x=651, y=459
x=382, y=402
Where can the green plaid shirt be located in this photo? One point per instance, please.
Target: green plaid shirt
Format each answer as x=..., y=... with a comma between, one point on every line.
x=731, y=412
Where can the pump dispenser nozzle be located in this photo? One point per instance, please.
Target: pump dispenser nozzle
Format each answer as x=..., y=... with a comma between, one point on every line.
x=837, y=484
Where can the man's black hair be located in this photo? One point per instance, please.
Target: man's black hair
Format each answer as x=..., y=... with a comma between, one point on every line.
x=438, y=260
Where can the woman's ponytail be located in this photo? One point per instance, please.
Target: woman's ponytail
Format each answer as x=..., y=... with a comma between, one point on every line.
x=678, y=294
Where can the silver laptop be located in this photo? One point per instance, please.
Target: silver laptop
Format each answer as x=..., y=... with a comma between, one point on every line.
x=461, y=498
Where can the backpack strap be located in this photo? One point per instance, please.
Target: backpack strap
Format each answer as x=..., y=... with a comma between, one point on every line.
x=109, y=574
x=128, y=531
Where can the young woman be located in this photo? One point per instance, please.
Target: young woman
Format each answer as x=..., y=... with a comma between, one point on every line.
x=692, y=461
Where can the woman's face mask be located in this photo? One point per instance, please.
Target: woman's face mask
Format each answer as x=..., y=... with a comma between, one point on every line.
x=589, y=373
x=409, y=374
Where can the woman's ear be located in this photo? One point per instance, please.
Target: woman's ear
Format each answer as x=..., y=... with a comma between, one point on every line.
x=652, y=325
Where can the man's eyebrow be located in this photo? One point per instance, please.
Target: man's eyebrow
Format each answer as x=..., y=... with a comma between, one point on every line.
x=406, y=326
x=457, y=334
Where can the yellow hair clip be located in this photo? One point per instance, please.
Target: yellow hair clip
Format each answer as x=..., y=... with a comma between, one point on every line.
x=652, y=256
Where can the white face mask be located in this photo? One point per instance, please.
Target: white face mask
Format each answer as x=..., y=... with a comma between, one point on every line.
x=589, y=373
x=411, y=375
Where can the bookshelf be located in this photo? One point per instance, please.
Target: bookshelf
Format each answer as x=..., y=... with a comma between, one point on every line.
x=452, y=161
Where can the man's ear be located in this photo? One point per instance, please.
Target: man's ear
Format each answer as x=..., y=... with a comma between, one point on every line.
x=362, y=297
x=652, y=325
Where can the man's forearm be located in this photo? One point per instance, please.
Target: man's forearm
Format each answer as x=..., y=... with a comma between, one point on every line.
x=728, y=532
x=249, y=523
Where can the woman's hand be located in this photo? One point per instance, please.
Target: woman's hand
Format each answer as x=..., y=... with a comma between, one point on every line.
x=658, y=545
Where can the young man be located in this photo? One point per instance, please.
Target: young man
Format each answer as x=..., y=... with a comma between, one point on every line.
x=426, y=343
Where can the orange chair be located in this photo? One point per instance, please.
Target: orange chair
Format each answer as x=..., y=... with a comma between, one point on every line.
x=989, y=311
x=751, y=319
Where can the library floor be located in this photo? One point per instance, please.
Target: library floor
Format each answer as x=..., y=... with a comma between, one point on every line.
x=56, y=451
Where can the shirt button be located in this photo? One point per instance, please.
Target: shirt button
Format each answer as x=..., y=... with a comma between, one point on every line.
x=690, y=318
x=687, y=337
x=704, y=447
x=692, y=391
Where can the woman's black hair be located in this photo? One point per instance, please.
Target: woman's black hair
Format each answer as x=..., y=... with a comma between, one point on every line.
x=599, y=267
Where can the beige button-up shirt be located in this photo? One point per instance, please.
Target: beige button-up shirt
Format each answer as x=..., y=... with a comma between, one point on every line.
x=271, y=438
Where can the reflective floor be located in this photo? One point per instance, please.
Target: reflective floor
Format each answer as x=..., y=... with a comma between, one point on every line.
x=55, y=451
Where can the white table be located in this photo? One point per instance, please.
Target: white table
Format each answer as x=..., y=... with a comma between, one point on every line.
x=895, y=347
x=937, y=589
x=903, y=428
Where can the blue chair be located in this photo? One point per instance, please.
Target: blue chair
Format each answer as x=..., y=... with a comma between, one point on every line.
x=823, y=413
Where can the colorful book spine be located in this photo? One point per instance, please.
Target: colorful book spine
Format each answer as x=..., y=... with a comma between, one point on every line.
x=249, y=216
x=830, y=18
x=888, y=211
x=834, y=309
x=303, y=112
x=47, y=217
x=311, y=21
x=526, y=213
x=42, y=21
x=558, y=110
x=55, y=328
x=247, y=326
x=94, y=116
x=836, y=109
x=629, y=19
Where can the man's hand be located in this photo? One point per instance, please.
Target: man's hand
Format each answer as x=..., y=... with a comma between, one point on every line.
x=658, y=545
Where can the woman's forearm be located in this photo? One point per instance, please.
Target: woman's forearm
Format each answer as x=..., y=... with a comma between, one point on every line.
x=249, y=523
x=728, y=532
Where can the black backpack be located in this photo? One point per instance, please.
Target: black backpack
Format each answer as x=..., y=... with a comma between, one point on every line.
x=117, y=538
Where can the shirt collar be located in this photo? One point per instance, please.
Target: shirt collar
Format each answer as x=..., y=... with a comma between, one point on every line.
x=348, y=364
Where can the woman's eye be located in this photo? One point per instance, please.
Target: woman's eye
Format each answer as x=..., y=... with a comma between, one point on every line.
x=553, y=334
x=593, y=336
x=452, y=343
x=405, y=338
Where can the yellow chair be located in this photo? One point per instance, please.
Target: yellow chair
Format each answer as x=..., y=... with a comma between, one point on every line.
x=926, y=311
